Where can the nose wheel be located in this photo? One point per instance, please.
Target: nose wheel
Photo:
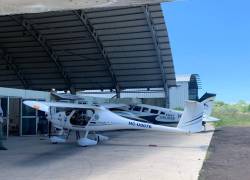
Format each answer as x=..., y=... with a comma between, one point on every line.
x=61, y=137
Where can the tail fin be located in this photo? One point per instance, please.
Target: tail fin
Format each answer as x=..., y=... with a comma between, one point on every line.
x=208, y=101
x=191, y=119
x=207, y=96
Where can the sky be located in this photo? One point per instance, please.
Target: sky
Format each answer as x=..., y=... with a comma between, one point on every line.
x=212, y=38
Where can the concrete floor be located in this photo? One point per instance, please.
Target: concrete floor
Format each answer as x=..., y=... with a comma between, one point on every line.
x=133, y=155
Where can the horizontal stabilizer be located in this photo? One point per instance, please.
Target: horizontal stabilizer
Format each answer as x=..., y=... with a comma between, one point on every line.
x=207, y=96
x=210, y=119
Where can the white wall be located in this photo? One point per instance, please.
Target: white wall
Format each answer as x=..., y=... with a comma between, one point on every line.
x=128, y=93
x=25, y=94
x=178, y=95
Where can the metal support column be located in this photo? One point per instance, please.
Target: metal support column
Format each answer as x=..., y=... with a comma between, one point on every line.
x=158, y=51
x=166, y=92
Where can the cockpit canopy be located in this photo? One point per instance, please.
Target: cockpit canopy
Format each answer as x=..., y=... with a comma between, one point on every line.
x=81, y=117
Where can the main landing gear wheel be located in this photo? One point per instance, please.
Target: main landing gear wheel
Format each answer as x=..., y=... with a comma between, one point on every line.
x=86, y=141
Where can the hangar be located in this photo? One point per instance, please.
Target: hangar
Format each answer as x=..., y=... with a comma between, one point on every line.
x=115, y=48
x=187, y=87
x=111, y=48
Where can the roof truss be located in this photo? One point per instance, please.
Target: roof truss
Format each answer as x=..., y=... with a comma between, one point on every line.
x=103, y=48
x=158, y=51
x=156, y=44
x=45, y=45
x=90, y=28
x=7, y=58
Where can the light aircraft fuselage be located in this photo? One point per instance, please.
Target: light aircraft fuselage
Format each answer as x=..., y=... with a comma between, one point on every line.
x=98, y=120
x=79, y=117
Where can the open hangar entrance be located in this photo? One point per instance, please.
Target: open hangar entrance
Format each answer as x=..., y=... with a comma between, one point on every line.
x=106, y=48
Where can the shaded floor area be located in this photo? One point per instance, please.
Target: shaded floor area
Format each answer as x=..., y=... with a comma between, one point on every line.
x=228, y=156
x=133, y=155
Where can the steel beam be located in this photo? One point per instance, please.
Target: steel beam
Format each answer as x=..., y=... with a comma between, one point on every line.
x=44, y=44
x=7, y=58
x=92, y=32
x=158, y=51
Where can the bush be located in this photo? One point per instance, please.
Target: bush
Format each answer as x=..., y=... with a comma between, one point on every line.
x=232, y=114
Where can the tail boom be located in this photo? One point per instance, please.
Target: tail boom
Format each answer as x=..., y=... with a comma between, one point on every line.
x=190, y=122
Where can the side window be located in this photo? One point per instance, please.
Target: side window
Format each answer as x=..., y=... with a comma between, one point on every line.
x=66, y=110
x=27, y=111
x=145, y=109
x=137, y=108
x=81, y=117
x=162, y=113
x=154, y=111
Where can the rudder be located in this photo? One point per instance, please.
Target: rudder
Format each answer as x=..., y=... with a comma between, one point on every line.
x=191, y=119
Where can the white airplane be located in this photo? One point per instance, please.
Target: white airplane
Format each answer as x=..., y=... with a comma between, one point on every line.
x=159, y=115
x=80, y=117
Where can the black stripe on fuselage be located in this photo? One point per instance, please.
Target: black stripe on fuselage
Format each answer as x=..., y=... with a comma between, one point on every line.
x=199, y=116
x=193, y=122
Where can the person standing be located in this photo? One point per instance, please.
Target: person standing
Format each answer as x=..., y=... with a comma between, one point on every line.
x=1, y=130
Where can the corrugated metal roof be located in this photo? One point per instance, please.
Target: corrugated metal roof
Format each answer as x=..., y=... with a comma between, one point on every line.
x=91, y=49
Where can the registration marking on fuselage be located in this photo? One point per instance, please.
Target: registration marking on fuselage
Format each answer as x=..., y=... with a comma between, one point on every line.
x=138, y=124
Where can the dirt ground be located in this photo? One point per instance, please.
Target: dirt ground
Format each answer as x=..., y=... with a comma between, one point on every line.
x=228, y=155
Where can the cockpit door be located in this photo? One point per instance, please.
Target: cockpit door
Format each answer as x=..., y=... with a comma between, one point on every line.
x=81, y=117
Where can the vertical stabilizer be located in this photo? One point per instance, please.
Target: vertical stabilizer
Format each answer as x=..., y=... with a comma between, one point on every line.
x=191, y=119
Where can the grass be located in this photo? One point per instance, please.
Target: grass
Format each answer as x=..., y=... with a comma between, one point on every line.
x=233, y=120
x=232, y=114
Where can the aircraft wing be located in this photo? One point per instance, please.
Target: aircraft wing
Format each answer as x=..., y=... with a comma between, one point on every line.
x=111, y=106
x=67, y=96
x=45, y=106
